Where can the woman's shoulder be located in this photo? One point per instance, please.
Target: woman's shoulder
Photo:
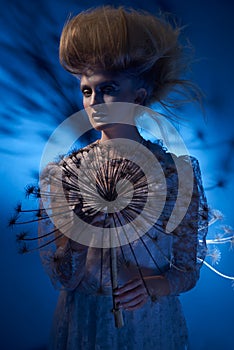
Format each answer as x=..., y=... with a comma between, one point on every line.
x=159, y=149
x=185, y=166
x=165, y=158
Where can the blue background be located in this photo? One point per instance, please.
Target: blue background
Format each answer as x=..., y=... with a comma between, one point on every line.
x=37, y=94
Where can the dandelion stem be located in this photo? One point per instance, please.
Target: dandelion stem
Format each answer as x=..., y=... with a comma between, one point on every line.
x=216, y=271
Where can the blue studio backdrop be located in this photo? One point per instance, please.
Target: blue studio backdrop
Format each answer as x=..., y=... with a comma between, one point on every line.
x=37, y=95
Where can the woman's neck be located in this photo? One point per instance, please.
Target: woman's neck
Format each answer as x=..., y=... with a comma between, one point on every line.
x=124, y=131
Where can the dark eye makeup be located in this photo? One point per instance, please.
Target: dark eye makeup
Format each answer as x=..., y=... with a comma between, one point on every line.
x=86, y=91
x=105, y=89
x=109, y=89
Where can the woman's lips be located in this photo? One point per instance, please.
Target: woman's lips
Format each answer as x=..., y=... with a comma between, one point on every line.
x=99, y=116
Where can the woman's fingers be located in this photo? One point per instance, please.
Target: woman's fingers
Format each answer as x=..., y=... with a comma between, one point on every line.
x=129, y=286
x=135, y=302
x=132, y=295
x=136, y=306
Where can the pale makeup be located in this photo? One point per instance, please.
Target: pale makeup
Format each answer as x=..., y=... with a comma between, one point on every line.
x=110, y=98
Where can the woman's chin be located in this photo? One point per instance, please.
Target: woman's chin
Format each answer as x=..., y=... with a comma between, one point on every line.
x=103, y=126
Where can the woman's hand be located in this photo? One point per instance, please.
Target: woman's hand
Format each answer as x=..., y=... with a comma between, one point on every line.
x=132, y=295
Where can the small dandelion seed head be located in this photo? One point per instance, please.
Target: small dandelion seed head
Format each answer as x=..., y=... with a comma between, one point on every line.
x=227, y=229
x=18, y=208
x=21, y=236
x=23, y=249
x=217, y=214
x=32, y=190
x=215, y=255
x=13, y=220
x=29, y=190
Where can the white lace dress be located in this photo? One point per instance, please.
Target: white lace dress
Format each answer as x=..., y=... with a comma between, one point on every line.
x=83, y=317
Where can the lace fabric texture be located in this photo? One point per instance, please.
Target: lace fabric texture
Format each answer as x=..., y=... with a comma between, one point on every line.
x=83, y=317
x=84, y=321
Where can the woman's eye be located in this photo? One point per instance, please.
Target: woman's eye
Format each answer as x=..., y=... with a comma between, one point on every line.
x=86, y=92
x=108, y=90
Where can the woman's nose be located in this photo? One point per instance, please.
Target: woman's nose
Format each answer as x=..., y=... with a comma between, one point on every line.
x=96, y=99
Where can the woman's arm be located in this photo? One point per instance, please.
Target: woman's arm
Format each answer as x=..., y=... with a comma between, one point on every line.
x=63, y=259
x=189, y=239
x=188, y=242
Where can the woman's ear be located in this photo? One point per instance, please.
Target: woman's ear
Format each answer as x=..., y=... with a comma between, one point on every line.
x=140, y=96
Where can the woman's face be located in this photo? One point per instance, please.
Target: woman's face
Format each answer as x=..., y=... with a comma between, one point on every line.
x=101, y=89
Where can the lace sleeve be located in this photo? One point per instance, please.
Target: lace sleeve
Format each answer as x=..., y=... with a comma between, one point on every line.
x=189, y=246
x=63, y=259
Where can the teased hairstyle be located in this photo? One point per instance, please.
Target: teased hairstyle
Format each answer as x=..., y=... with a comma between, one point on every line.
x=137, y=43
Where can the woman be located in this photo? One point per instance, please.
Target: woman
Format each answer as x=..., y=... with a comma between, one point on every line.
x=123, y=59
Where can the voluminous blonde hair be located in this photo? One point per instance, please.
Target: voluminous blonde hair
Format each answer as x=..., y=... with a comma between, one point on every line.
x=137, y=43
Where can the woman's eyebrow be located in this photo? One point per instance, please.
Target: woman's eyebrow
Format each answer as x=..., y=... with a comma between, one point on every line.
x=84, y=86
x=113, y=82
